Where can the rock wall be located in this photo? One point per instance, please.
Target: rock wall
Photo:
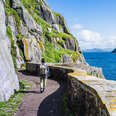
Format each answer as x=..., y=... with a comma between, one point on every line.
x=8, y=78
x=87, y=95
x=84, y=100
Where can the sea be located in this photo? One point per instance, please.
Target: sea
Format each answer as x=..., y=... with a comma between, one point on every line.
x=105, y=60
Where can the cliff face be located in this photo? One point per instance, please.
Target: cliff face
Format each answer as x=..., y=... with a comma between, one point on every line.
x=8, y=78
x=30, y=30
x=36, y=31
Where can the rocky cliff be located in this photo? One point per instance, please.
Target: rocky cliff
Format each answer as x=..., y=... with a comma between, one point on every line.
x=8, y=78
x=30, y=30
x=36, y=31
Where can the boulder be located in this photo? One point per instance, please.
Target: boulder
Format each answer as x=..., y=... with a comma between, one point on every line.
x=32, y=50
x=70, y=43
x=67, y=59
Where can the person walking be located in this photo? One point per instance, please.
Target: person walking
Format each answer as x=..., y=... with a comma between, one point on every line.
x=44, y=71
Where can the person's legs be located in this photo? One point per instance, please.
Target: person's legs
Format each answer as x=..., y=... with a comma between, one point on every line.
x=44, y=83
x=41, y=84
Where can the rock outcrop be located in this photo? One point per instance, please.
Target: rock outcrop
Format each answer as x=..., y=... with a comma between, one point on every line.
x=114, y=51
x=8, y=78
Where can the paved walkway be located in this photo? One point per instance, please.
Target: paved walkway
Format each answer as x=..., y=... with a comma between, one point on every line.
x=41, y=104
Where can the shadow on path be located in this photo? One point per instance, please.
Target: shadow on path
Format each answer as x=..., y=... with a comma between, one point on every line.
x=48, y=103
x=52, y=104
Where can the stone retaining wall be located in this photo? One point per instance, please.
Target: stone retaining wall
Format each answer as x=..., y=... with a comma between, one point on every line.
x=83, y=100
x=88, y=95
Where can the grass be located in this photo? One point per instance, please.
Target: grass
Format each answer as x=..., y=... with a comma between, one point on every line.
x=58, y=14
x=60, y=34
x=12, y=12
x=51, y=54
x=9, y=107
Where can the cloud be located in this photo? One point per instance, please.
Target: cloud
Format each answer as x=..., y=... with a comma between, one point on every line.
x=89, y=39
x=88, y=35
x=77, y=26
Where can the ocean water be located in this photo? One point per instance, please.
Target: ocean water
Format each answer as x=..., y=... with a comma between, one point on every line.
x=105, y=60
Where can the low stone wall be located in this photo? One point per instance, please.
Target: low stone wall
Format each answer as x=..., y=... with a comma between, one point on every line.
x=59, y=73
x=83, y=100
x=32, y=67
x=87, y=95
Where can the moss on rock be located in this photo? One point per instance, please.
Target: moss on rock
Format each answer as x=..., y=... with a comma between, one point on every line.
x=13, y=47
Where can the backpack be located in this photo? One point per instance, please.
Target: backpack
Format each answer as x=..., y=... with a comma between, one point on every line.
x=43, y=70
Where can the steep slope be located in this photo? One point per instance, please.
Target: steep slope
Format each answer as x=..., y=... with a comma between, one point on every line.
x=8, y=78
x=34, y=31
x=37, y=31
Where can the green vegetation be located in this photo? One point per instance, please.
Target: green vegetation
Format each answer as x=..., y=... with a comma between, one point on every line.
x=60, y=26
x=65, y=104
x=52, y=54
x=43, y=23
x=31, y=4
x=19, y=36
x=24, y=85
x=61, y=41
x=8, y=2
x=60, y=34
x=58, y=14
x=12, y=12
x=13, y=47
x=9, y=107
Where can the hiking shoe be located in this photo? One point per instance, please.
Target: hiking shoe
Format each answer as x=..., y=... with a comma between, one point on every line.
x=41, y=90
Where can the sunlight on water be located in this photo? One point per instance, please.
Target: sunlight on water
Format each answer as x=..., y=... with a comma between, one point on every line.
x=106, y=60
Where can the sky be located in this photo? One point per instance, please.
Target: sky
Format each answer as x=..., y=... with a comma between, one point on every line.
x=92, y=22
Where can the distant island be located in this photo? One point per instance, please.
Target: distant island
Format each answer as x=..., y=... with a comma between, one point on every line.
x=98, y=50
x=114, y=51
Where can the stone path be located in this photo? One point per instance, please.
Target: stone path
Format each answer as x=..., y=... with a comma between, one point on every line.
x=42, y=104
